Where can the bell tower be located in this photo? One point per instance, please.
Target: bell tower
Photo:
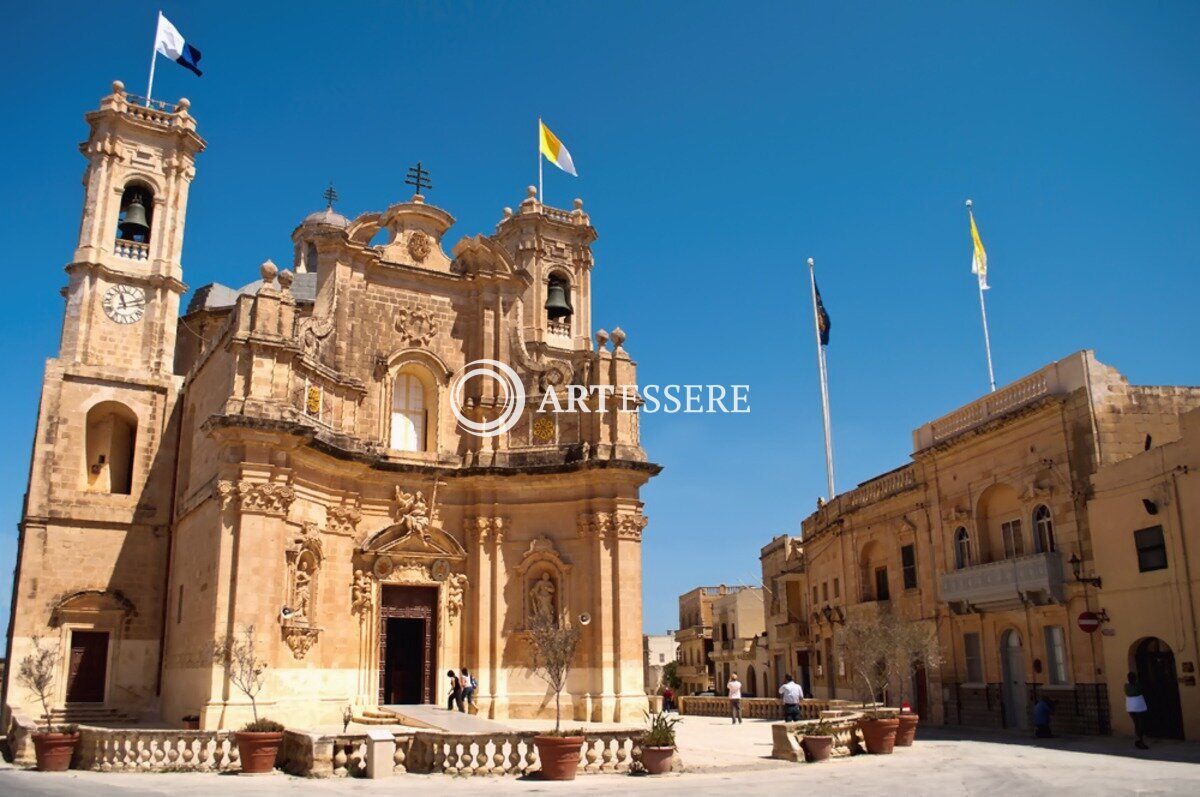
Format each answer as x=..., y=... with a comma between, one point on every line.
x=126, y=277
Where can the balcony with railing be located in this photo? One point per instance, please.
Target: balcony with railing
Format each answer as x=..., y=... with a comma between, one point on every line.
x=1006, y=584
x=132, y=250
x=791, y=632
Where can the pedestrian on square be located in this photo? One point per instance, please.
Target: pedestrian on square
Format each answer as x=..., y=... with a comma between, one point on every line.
x=455, y=697
x=1041, y=717
x=668, y=699
x=1135, y=704
x=792, y=694
x=469, y=687
x=735, y=698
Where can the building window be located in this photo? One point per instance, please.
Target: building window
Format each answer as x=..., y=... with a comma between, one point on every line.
x=662, y=657
x=1043, y=530
x=815, y=600
x=408, y=413
x=837, y=589
x=824, y=590
x=974, y=658
x=908, y=559
x=962, y=548
x=1056, y=654
x=1151, y=549
x=1014, y=543
x=881, y=585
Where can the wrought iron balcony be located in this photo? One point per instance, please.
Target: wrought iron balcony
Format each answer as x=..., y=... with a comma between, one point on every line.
x=1006, y=584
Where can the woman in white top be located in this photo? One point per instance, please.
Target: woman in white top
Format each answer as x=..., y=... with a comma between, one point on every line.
x=1135, y=704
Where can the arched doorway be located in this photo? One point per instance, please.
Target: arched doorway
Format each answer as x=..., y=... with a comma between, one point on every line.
x=1012, y=661
x=1155, y=665
x=751, y=682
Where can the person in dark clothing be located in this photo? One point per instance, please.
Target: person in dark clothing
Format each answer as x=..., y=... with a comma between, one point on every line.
x=1135, y=704
x=1041, y=717
x=456, y=692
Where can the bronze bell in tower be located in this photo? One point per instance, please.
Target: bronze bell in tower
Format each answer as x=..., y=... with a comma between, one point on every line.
x=557, y=304
x=135, y=221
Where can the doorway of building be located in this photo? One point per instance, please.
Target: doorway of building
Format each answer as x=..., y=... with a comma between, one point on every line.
x=88, y=668
x=1012, y=660
x=1155, y=663
x=407, y=645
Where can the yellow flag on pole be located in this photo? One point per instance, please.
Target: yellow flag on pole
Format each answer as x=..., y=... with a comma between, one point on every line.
x=979, y=257
x=555, y=152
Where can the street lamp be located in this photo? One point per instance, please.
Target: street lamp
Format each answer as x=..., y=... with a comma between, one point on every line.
x=1077, y=568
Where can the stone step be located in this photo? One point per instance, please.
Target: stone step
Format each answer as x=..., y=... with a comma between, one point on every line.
x=88, y=715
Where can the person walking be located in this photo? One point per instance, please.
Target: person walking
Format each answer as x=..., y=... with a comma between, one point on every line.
x=792, y=694
x=1135, y=704
x=469, y=686
x=455, y=697
x=1041, y=717
x=668, y=699
x=735, y=698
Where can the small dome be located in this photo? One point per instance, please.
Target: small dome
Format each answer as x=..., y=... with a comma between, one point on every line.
x=327, y=216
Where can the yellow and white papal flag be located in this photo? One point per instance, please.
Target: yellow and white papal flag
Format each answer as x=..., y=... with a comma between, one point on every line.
x=554, y=150
x=979, y=258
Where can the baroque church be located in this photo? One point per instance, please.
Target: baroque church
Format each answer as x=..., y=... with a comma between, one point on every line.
x=287, y=457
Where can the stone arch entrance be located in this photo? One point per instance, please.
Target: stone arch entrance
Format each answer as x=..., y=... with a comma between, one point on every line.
x=1154, y=663
x=1012, y=666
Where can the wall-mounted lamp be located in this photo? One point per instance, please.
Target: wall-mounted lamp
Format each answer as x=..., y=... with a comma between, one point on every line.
x=1077, y=568
x=1151, y=507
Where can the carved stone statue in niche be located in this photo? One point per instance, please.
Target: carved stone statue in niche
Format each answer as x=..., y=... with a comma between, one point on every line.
x=303, y=586
x=541, y=597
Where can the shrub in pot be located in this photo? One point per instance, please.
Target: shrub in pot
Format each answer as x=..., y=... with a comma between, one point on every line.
x=54, y=746
x=258, y=741
x=817, y=742
x=552, y=646
x=658, y=743
x=879, y=732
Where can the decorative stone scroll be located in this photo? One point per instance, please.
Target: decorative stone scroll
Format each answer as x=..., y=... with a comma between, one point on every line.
x=343, y=518
x=456, y=585
x=300, y=638
x=417, y=326
x=262, y=498
x=361, y=592
x=479, y=530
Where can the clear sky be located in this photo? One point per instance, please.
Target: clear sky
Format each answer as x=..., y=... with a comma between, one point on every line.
x=719, y=146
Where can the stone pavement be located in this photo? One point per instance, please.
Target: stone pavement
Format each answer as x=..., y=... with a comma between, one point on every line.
x=722, y=758
x=429, y=716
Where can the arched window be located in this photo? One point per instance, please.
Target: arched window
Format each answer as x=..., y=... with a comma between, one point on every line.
x=137, y=213
x=111, y=437
x=962, y=548
x=409, y=413
x=1043, y=529
x=558, y=305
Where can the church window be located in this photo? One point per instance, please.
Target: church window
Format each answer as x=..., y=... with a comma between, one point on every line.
x=409, y=413
x=1043, y=529
x=962, y=548
x=111, y=437
x=1014, y=541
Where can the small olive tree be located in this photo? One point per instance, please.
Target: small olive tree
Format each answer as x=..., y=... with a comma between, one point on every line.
x=36, y=673
x=863, y=644
x=238, y=656
x=915, y=646
x=553, y=647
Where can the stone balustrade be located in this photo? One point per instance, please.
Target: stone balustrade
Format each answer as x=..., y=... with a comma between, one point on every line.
x=787, y=736
x=767, y=708
x=515, y=753
x=142, y=750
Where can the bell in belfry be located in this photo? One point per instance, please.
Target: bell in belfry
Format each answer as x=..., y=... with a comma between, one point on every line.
x=135, y=222
x=557, y=305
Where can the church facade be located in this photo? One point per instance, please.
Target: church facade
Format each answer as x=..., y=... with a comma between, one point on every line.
x=289, y=460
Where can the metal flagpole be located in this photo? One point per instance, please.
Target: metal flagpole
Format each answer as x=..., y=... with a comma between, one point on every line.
x=987, y=344
x=153, y=59
x=539, y=153
x=824, y=380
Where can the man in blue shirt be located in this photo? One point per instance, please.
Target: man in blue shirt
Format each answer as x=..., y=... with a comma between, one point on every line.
x=1041, y=717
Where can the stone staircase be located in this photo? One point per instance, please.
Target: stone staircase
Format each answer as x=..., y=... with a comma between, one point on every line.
x=88, y=715
x=377, y=716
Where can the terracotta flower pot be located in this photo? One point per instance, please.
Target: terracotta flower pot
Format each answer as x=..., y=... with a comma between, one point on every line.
x=907, y=730
x=54, y=750
x=879, y=735
x=657, y=760
x=257, y=751
x=559, y=756
x=817, y=748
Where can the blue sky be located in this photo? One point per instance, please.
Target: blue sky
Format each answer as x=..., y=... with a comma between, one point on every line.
x=719, y=146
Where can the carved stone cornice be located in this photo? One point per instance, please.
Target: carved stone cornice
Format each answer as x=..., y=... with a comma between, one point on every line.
x=259, y=498
x=629, y=527
x=343, y=518
x=479, y=530
x=595, y=525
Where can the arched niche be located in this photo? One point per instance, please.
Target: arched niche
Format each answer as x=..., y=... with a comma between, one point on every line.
x=1000, y=524
x=110, y=449
x=544, y=579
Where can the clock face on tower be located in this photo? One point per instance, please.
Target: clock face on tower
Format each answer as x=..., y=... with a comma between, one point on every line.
x=125, y=303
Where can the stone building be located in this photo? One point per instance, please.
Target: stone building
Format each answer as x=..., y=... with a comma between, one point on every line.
x=739, y=640
x=658, y=652
x=786, y=622
x=1145, y=520
x=695, y=638
x=974, y=539
x=287, y=457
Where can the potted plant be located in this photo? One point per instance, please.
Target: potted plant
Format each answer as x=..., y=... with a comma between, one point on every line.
x=866, y=643
x=916, y=647
x=53, y=747
x=258, y=741
x=658, y=743
x=191, y=722
x=817, y=742
x=553, y=648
